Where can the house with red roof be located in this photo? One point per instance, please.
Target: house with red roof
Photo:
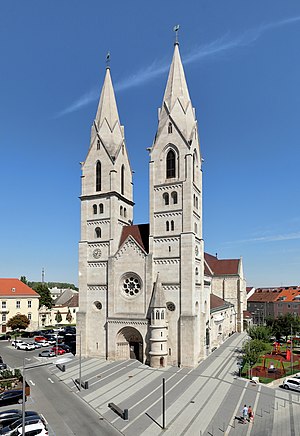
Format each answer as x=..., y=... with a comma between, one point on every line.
x=18, y=298
x=274, y=302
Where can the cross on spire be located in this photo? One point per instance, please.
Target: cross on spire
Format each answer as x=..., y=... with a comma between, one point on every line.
x=176, y=29
x=107, y=59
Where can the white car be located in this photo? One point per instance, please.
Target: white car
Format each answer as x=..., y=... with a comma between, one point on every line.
x=37, y=428
x=25, y=346
x=16, y=342
x=291, y=383
x=45, y=344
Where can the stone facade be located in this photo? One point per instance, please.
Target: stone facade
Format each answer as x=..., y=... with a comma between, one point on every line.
x=141, y=287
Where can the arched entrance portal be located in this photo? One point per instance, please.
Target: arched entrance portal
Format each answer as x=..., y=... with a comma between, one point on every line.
x=129, y=344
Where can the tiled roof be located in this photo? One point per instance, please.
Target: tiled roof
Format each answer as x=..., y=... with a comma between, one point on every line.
x=140, y=232
x=218, y=303
x=248, y=289
x=15, y=288
x=283, y=293
x=247, y=314
x=222, y=267
x=289, y=295
x=266, y=295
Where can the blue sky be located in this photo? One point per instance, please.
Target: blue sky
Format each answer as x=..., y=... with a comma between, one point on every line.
x=242, y=65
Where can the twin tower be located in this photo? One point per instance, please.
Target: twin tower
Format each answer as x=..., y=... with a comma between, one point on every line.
x=141, y=286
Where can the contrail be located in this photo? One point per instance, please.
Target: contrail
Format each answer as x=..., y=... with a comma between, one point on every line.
x=212, y=49
x=274, y=238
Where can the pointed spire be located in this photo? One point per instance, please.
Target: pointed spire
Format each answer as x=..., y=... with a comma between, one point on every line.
x=176, y=85
x=107, y=108
x=107, y=123
x=158, y=296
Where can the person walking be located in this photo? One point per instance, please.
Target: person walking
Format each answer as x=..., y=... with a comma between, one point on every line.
x=250, y=414
x=245, y=413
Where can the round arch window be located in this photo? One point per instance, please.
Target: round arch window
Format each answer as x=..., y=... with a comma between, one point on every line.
x=131, y=285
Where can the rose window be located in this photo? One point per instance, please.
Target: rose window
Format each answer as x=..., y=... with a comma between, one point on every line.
x=131, y=286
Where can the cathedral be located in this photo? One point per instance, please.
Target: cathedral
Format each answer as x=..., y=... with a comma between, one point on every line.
x=148, y=291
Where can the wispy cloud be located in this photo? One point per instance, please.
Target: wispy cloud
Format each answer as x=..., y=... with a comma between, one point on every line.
x=215, y=48
x=272, y=238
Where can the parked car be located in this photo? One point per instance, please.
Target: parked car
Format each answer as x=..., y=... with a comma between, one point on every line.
x=47, y=353
x=2, y=364
x=65, y=347
x=11, y=415
x=9, y=429
x=37, y=345
x=58, y=351
x=45, y=344
x=15, y=342
x=25, y=346
x=37, y=424
x=40, y=339
x=37, y=429
x=291, y=383
x=12, y=396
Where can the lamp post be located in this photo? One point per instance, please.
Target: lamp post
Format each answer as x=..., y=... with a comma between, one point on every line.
x=292, y=349
x=23, y=397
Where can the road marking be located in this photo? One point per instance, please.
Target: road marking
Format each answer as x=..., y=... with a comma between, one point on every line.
x=33, y=384
x=254, y=409
x=51, y=381
x=236, y=410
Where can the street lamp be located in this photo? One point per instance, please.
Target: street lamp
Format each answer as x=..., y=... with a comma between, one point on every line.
x=24, y=397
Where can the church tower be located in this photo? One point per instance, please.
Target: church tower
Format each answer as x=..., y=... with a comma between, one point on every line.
x=175, y=240
x=106, y=207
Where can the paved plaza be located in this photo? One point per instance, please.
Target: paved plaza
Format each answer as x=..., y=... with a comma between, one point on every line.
x=201, y=401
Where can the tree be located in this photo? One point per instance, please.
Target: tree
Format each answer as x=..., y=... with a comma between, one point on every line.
x=284, y=325
x=58, y=317
x=260, y=332
x=46, y=299
x=253, y=349
x=69, y=316
x=18, y=322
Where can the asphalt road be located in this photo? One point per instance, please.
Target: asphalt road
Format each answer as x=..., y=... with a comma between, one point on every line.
x=67, y=415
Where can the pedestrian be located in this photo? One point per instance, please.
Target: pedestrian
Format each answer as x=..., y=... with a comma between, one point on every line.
x=250, y=414
x=245, y=413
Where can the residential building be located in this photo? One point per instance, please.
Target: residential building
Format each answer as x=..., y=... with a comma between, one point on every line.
x=274, y=302
x=18, y=298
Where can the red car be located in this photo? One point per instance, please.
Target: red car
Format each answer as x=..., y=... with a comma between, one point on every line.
x=58, y=351
x=40, y=339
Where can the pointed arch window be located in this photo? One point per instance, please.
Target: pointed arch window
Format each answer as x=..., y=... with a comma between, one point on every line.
x=98, y=232
x=174, y=197
x=122, y=179
x=167, y=226
x=95, y=209
x=157, y=314
x=166, y=198
x=170, y=128
x=125, y=212
x=194, y=165
x=121, y=210
x=170, y=164
x=162, y=314
x=98, y=144
x=196, y=228
x=98, y=176
x=172, y=225
x=101, y=209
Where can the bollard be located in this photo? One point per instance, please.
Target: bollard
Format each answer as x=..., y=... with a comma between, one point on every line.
x=125, y=415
